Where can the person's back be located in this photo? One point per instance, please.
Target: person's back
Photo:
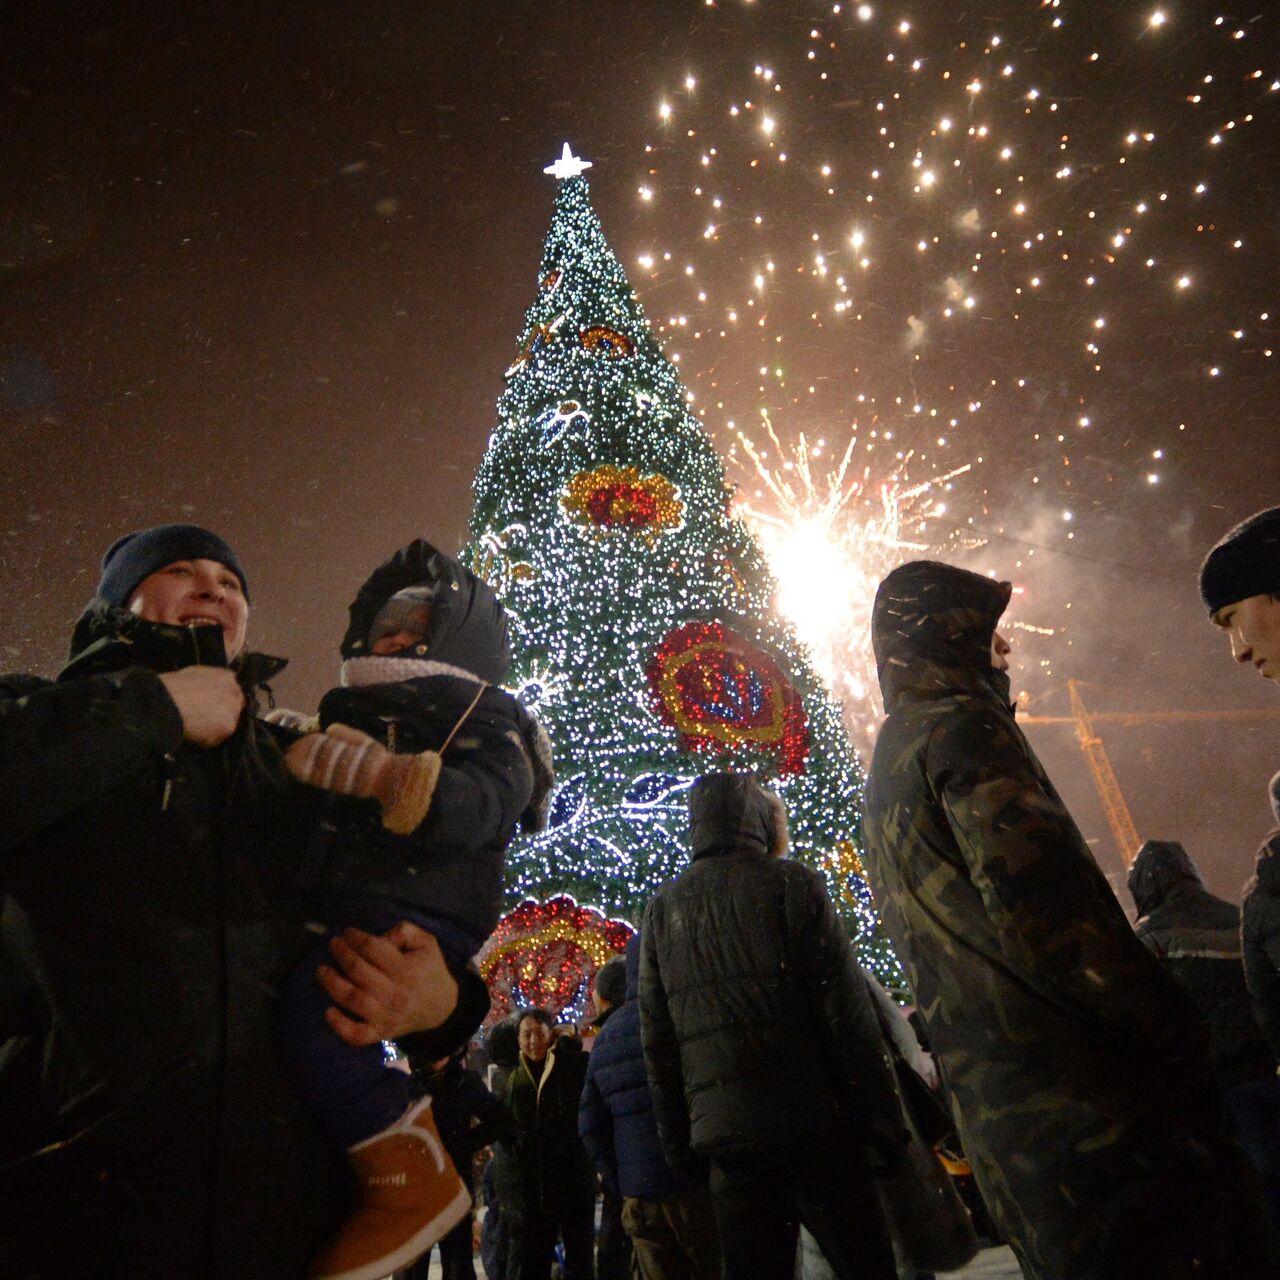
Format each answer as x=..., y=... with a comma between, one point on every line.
x=1078, y=1074
x=667, y=1214
x=1197, y=937
x=761, y=1043
x=755, y=1060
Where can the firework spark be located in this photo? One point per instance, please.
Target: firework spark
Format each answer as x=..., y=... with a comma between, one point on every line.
x=830, y=536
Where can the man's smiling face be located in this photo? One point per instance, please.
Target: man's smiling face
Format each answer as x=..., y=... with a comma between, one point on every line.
x=189, y=593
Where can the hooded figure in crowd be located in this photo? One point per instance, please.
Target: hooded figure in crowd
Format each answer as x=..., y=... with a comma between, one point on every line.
x=1197, y=937
x=151, y=842
x=1078, y=1073
x=762, y=1047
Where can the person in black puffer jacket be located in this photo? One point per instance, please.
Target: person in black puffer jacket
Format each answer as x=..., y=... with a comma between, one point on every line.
x=667, y=1214
x=762, y=1048
x=1197, y=936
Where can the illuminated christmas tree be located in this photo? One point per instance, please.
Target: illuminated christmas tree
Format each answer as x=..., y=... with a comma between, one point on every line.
x=646, y=635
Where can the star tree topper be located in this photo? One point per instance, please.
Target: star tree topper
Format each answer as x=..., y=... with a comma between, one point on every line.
x=568, y=166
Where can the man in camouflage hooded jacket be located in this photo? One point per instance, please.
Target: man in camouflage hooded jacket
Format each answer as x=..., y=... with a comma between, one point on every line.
x=1077, y=1072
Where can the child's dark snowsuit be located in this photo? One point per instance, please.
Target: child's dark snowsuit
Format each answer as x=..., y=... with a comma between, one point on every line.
x=447, y=874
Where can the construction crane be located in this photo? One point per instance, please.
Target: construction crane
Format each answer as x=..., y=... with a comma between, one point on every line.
x=1114, y=804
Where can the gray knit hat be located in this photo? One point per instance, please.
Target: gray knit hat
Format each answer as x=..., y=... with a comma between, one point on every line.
x=1245, y=563
x=407, y=610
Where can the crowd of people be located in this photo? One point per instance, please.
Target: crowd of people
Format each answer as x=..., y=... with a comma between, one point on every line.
x=212, y=917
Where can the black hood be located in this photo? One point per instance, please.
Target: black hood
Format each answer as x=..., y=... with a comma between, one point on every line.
x=633, y=967
x=468, y=626
x=1161, y=865
x=931, y=630
x=729, y=813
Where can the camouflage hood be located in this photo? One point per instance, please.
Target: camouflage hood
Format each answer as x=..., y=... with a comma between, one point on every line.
x=931, y=630
x=1161, y=865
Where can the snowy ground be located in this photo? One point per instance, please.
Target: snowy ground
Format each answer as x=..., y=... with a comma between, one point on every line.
x=990, y=1264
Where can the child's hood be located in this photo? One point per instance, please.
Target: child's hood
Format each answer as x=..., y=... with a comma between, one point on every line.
x=468, y=626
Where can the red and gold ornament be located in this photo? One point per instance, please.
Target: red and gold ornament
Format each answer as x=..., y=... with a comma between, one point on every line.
x=610, y=497
x=722, y=693
x=545, y=954
x=600, y=338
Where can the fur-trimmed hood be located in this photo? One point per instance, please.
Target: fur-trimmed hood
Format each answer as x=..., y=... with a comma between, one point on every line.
x=468, y=626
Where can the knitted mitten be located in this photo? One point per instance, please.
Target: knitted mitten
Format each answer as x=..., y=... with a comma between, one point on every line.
x=350, y=763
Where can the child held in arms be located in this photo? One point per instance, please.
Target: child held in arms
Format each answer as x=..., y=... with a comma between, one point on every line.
x=440, y=764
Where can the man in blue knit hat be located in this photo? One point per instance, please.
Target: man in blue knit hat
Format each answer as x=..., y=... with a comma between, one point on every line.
x=151, y=844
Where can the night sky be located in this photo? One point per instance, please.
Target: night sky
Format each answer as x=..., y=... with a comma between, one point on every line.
x=263, y=267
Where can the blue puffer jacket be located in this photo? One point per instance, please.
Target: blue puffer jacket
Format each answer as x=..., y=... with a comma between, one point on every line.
x=616, y=1117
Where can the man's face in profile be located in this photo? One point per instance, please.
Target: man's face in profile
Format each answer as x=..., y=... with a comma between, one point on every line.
x=1253, y=626
x=1000, y=650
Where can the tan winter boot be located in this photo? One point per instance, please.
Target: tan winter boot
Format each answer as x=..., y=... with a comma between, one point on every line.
x=410, y=1196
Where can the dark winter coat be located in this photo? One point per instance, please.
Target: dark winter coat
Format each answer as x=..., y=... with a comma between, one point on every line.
x=1261, y=935
x=146, y=1127
x=616, y=1117
x=496, y=767
x=459, y=1097
x=759, y=1033
x=1072, y=1060
x=1197, y=938
x=553, y=1168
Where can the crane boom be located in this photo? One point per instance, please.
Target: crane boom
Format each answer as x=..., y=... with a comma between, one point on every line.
x=1104, y=778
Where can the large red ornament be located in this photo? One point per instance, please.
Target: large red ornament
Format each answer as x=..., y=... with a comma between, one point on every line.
x=610, y=497
x=546, y=953
x=726, y=695
x=600, y=338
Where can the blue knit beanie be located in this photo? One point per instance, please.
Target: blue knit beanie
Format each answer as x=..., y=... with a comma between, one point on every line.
x=139, y=555
x=1245, y=563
